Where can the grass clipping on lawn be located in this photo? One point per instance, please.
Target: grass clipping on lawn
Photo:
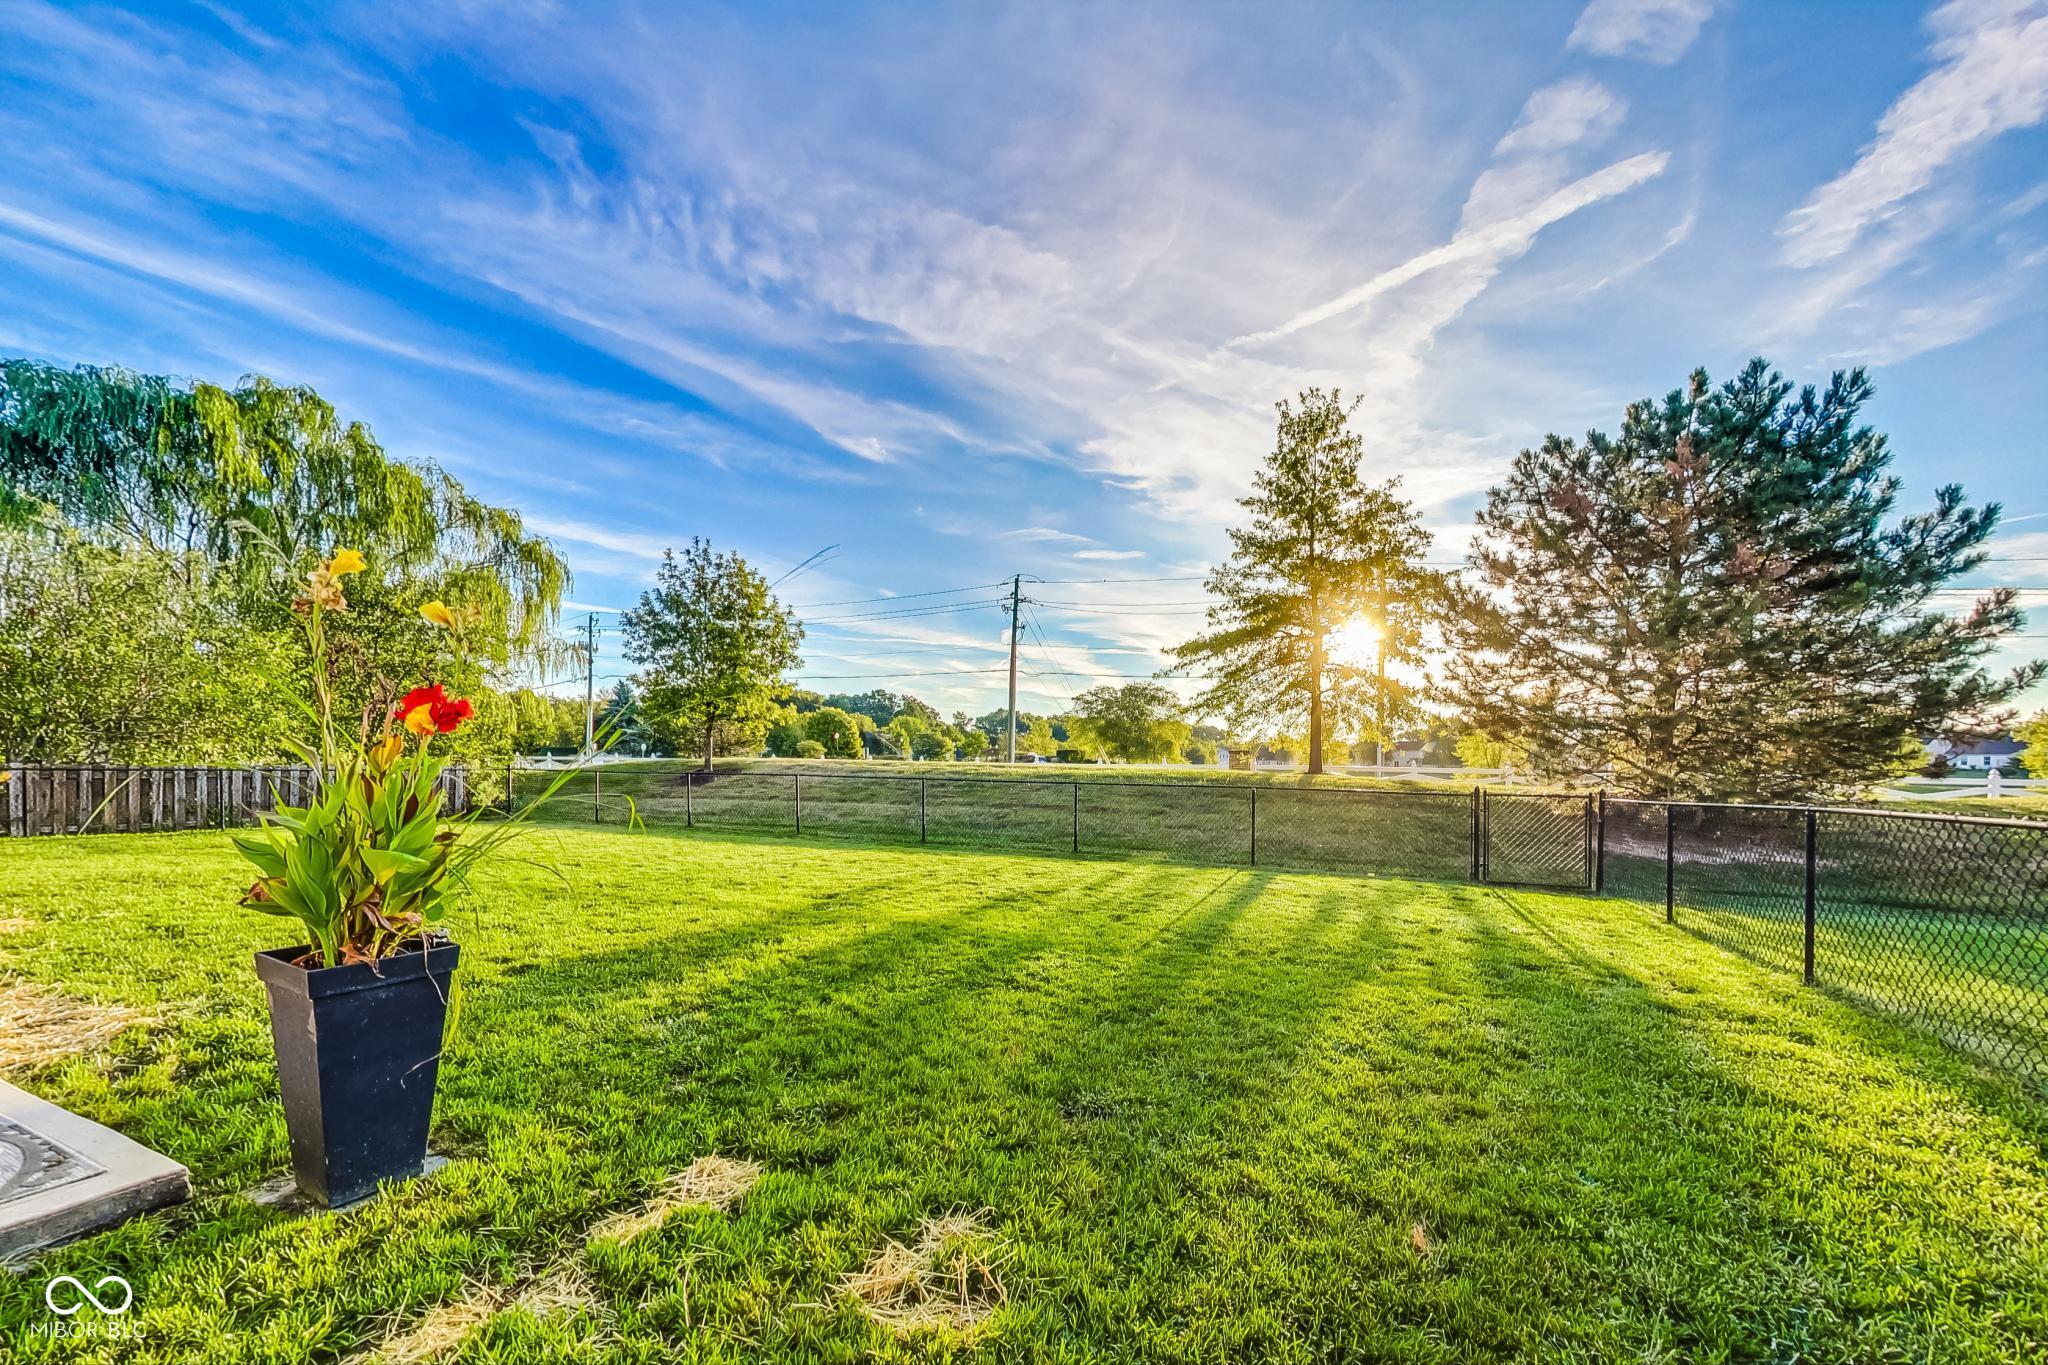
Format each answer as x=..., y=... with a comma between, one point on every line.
x=709, y=1182
x=946, y=1278
x=714, y=1182
x=38, y=1026
x=558, y=1289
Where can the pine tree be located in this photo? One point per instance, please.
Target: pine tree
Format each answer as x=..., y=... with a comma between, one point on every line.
x=1720, y=604
x=1324, y=551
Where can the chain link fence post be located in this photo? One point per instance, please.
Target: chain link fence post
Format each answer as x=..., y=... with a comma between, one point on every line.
x=1255, y=823
x=1600, y=841
x=1670, y=867
x=799, y=777
x=1478, y=859
x=689, y=800
x=920, y=810
x=1812, y=885
x=1077, y=817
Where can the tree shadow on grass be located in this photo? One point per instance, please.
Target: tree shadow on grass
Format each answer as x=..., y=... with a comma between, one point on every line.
x=583, y=1077
x=1522, y=1149
x=1772, y=1005
x=1209, y=1113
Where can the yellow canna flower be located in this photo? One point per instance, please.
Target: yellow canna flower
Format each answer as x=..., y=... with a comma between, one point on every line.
x=386, y=751
x=345, y=561
x=437, y=612
x=420, y=720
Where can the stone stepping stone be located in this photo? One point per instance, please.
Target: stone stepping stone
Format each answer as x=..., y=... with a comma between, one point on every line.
x=62, y=1176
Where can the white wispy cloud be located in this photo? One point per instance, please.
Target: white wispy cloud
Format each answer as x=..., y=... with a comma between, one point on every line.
x=1897, y=255
x=1992, y=78
x=1062, y=319
x=325, y=309
x=1109, y=554
x=1563, y=115
x=1042, y=535
x=637, y=545
x=994, y=289
x=1657, y=31
x=1484, y=244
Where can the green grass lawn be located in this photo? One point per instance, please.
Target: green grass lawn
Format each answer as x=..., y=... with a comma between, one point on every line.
x=1215, y=1114
x=2027, y=805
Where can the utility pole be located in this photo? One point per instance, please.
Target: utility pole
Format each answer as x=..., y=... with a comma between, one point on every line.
x=590, y=683
x=1016, y=587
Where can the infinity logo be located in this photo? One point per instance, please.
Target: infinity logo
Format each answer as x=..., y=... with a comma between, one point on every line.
x=86, y=1296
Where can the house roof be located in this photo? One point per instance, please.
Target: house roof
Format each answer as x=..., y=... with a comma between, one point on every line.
x=1990, y=748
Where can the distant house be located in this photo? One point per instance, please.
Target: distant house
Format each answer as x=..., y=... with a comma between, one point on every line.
x=1407, y=753
x=1986, y=754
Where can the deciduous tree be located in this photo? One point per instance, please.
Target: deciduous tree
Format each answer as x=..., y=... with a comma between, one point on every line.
x=2033, y=732
x=836, y=731
x=715, y=643
x=111, y=654
x=263, y=479
x=1137, y=722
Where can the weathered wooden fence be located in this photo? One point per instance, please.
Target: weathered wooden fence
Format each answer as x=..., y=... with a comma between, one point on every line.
x=105, y=798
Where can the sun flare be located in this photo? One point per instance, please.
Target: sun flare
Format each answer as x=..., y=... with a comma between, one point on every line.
x=1356, y=642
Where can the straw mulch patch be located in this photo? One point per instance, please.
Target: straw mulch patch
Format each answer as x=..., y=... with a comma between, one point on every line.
x=38, y=1026
x=558, y=1289
x=709, y=1182
x=947, y=1277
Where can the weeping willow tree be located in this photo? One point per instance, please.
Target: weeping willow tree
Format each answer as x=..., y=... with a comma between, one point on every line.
x=256, y=483
x=262, y=479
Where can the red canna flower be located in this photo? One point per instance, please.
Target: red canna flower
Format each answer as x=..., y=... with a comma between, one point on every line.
x=418, y=697
x=428, y=709
x=449, y=715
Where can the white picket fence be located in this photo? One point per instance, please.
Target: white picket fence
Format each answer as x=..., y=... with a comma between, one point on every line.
x=108, y=798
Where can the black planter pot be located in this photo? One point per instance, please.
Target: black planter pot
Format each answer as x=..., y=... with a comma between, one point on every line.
x=358, y=1052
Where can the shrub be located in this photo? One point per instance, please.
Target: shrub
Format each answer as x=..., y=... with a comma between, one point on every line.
x=810, y=748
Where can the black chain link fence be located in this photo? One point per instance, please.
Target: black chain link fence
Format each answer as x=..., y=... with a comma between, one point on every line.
x=1423, y=833
x=1939, y=920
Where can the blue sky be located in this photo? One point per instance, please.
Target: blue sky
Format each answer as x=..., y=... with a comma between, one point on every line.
x=980, y=290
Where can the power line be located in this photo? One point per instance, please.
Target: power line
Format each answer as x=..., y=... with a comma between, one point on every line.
x=1038, y=633
x=893, y=597
x=1123, y=604
x=817, y=557
x=1184, y=677
x=921, y=646
x=927, y=673
x=909, y=612
x=1169, y=578
x=1115, y=610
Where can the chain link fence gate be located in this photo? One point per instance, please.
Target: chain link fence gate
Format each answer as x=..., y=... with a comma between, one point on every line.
x=1536, y=840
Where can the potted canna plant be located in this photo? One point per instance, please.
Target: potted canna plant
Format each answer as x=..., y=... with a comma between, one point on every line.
x=367, y=867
